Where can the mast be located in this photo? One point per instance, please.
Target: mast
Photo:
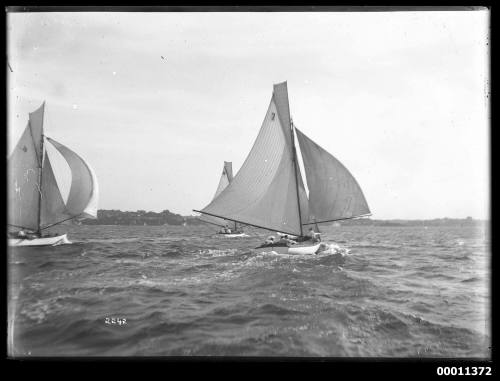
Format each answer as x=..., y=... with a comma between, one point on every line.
x=40, y=169
x=40, y=189
x=294, y=156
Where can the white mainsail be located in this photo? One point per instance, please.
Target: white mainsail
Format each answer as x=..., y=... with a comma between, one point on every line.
x=269, y=191
x=23, y=174
x=35, y=200
x=264, y=191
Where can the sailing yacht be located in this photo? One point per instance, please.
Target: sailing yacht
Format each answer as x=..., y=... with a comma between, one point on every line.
x=225, y=179
x=268, y=191
x=35, y=200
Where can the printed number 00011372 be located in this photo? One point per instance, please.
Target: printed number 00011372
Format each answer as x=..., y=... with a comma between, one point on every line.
x=464, y=371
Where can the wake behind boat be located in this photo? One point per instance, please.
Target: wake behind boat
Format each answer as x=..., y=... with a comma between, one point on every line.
x=268, y=191
x=35, y=200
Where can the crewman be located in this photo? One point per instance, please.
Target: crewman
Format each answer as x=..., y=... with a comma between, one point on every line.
x=287, y=241
x=269, y=240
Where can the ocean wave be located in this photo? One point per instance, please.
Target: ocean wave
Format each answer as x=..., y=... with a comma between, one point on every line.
x=380, y=292
x=109, y=240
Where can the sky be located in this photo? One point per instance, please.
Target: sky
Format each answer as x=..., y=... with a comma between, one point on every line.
x=156, y=102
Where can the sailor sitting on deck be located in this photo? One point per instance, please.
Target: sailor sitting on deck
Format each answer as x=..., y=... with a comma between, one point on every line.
x=21, y=234
x=269, y=240
x=226, y=230
x=313, y=236
x=316, y=237
x=310, y=233
x=287, y=241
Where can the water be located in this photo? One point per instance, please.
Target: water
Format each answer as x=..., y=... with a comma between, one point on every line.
x=389, y=292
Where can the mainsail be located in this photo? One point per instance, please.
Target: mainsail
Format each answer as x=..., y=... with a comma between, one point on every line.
x=268, y=191
x=23, y=179
x=264, y=191
x=35, y=200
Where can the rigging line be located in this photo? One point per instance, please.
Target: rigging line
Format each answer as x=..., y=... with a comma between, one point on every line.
x=60, y=222
x=294, y=158
x=338, y=219
x=40, y=173
x=316, y=226
x=39, y=161
x=34, y=145
x=244, y=223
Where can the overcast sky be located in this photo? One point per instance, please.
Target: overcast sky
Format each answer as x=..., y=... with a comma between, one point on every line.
x=400, y=98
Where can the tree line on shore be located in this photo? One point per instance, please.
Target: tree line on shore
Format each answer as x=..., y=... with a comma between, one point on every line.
x=142, y=217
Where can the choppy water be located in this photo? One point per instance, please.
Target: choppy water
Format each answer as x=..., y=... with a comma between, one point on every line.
x=398, y=292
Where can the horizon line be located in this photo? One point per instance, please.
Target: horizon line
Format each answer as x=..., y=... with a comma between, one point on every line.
x=370, y=218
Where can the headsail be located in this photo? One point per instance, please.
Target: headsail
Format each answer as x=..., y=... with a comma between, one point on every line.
x=24, y=165
x=225, y=179
x=83, y=194
x=264, y=192
x=333, y=191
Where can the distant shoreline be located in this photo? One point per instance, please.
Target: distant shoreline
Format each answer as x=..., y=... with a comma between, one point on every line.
x=144, y=218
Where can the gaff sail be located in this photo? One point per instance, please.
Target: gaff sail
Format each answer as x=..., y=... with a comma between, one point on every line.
x=264, y=191
x=23, y=174
x=268, y=191
x=35, y=200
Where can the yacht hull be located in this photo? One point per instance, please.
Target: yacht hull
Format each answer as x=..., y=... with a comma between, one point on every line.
x=239, y=235
x=295, y=249
x=43, y=241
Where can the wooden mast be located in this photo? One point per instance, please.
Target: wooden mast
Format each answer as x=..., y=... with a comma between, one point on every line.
x=294, y=155
x=40, y=170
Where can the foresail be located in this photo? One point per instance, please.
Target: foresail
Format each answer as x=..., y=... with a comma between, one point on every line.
x=263, y=192
x=83, y=193
x=333, y=192
x=23, y=172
